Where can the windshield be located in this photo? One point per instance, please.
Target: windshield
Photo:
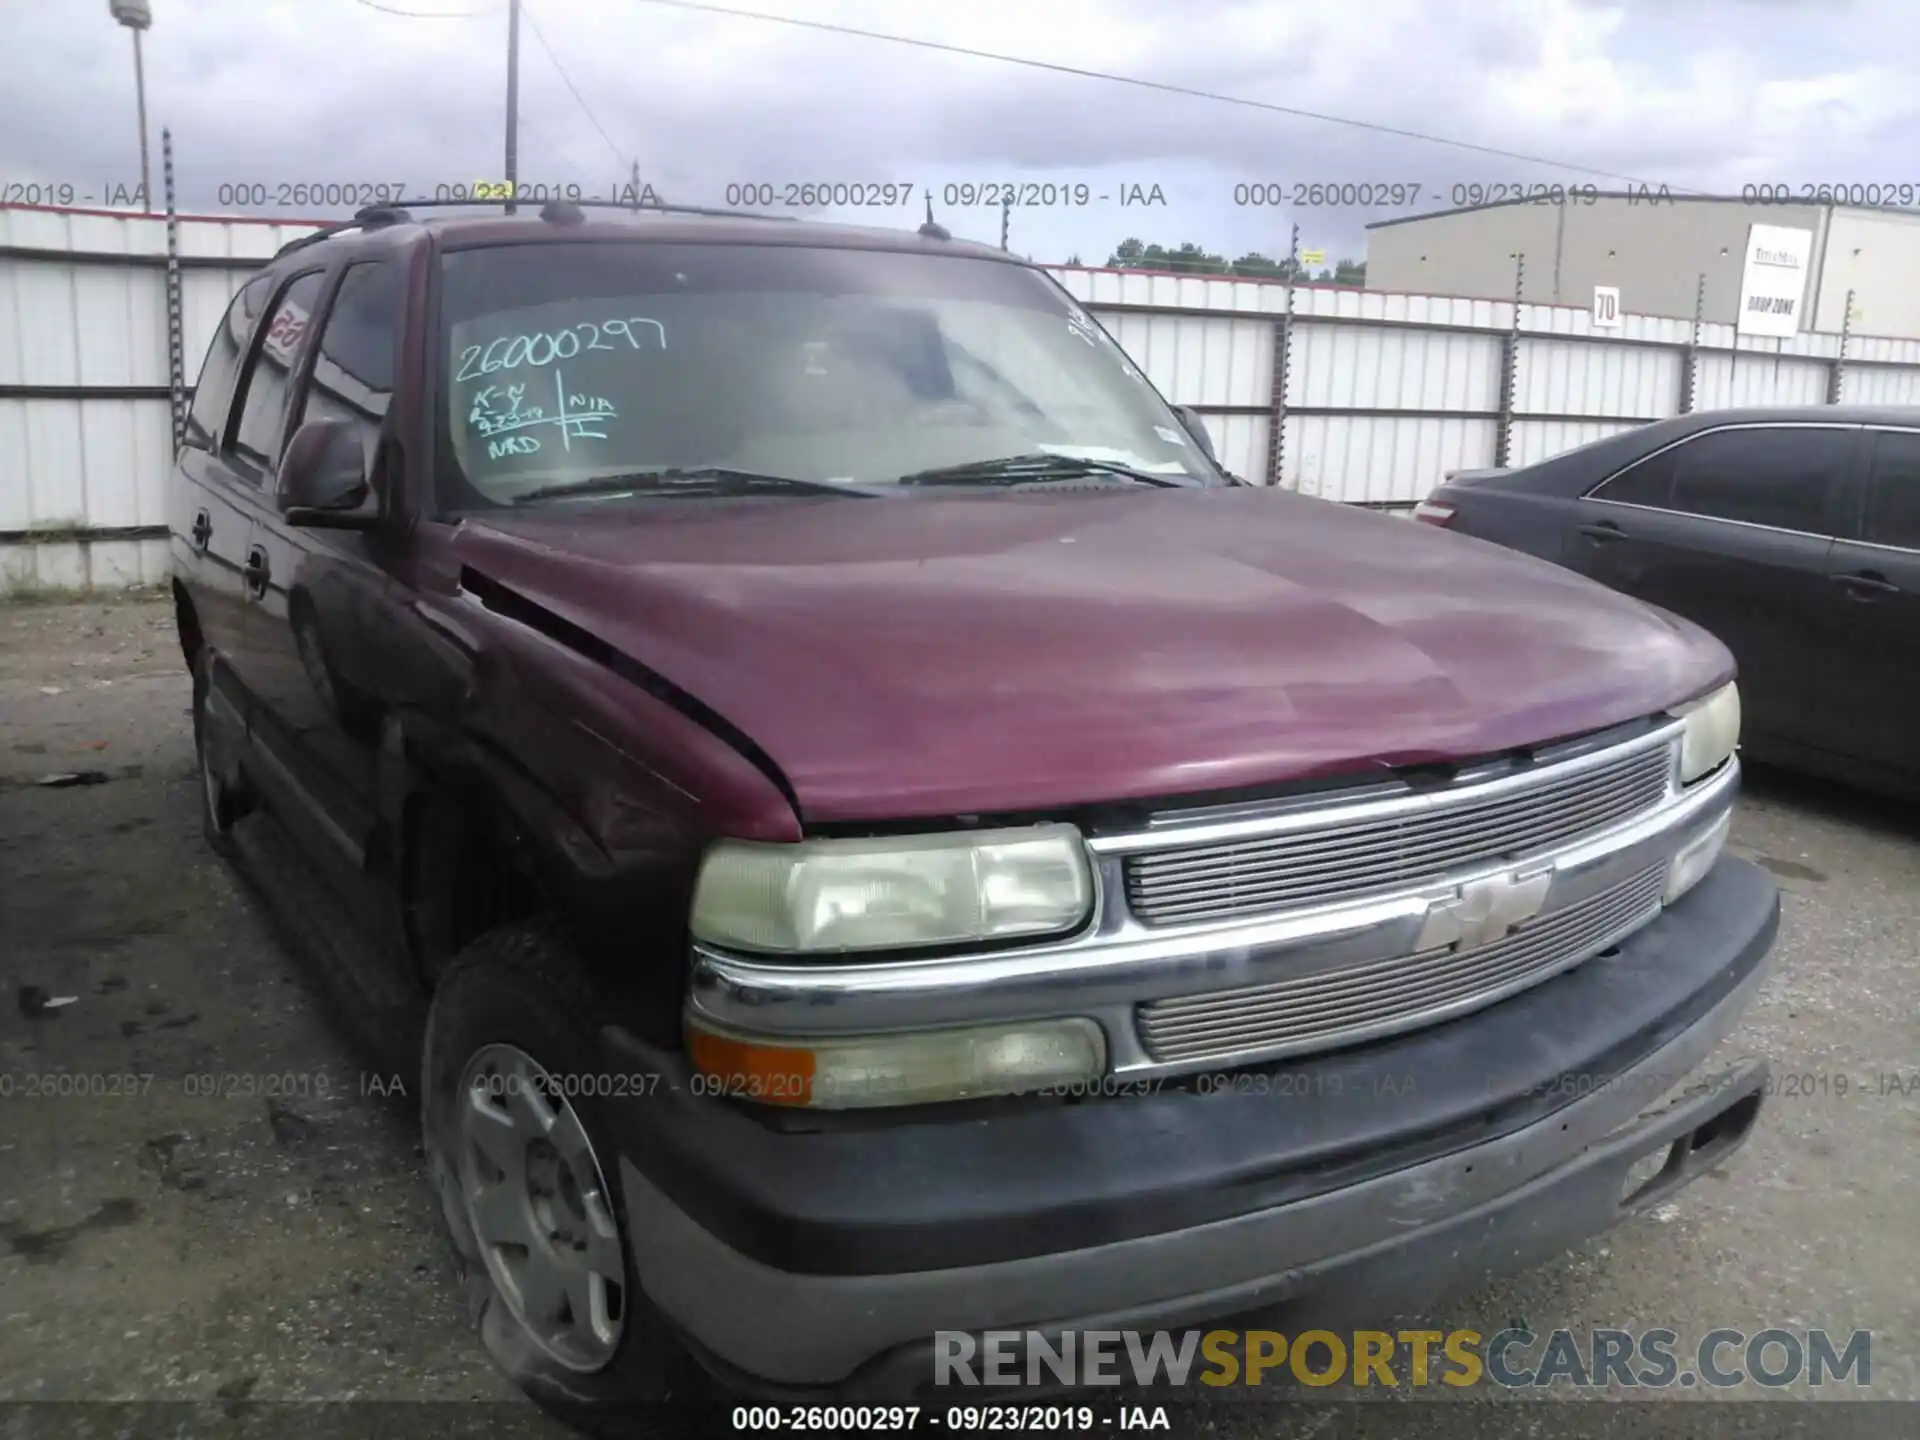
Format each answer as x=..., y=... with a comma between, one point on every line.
x=567, y=363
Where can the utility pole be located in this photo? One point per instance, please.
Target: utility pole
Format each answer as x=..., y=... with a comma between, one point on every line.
x=513, y=101
x=136, y=16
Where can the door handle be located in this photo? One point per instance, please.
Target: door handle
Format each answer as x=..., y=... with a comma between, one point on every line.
x=1866, y=584
x=256, y=571
x=1603, y=530
x=202, y=530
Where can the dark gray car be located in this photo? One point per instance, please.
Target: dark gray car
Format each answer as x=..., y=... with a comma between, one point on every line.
x=1792, y=534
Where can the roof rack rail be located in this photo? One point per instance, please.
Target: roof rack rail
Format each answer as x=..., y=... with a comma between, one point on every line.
x=399, y=212
x=632, y=207
x=372, y=217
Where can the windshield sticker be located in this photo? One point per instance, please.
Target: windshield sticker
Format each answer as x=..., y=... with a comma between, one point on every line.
x=497, y=411
x=1116, y=457
x=284, y=335
x=1075, y=326
x=538, y=348
x=1169, y=434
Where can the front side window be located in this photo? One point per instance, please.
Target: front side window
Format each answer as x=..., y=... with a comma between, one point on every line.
x=263, y=388
x=1761, y=476
x=353, y=360
x=563, y=363
x=1893, y=494
x=207, y=418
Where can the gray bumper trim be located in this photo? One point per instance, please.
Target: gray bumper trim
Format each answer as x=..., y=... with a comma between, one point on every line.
x=816, y=1330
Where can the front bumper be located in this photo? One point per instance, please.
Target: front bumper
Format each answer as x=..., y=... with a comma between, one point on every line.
x=825, y=1259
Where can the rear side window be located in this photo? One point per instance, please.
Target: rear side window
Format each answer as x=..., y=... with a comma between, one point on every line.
x=1650, y=482
x=1893, y=494
x=208, y=416
x=353, y=364
x=263, y=387
x=1762, y=476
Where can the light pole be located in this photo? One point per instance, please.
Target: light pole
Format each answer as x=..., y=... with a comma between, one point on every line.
x=135, y=15
x=513, y=101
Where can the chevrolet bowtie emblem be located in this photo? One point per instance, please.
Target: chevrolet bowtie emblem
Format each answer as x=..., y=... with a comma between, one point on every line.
x=1482, y=911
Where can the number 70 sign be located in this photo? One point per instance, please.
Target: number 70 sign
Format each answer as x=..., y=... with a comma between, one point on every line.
x=1606, y=306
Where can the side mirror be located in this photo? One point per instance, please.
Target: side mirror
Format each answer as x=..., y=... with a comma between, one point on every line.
x=1197, y=428
x=323, y=477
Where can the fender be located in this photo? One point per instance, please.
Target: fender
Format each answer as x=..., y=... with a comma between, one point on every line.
x=624, y=912
x=547, y=843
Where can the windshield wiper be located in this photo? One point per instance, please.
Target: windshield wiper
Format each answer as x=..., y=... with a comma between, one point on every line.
x=1032, y=469
x=693, y=480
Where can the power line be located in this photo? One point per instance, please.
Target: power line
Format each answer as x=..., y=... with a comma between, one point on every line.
x=1057, y=69
x=568, y=79
x=545, y=139
x=429, y=14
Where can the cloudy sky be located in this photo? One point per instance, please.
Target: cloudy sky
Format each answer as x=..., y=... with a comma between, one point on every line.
x=1705, y=95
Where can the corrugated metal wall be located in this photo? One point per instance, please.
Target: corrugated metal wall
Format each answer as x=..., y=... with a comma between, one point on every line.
x=1385, y=393
x=86, y=436
x=1382, y=395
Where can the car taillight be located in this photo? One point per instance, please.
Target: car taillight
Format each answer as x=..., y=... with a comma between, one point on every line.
x=1434, y=512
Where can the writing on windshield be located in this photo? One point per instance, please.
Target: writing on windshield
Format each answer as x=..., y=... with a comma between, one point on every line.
x=528, y=390
x=499, y=410
x=568, y=363
x=510, y=352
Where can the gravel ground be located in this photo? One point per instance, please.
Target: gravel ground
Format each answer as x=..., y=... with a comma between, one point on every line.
x=171, y=1238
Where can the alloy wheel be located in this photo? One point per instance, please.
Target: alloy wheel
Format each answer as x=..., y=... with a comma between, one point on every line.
x=539, y=1207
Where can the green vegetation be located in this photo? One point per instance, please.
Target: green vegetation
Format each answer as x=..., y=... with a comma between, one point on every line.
x=1191, y=259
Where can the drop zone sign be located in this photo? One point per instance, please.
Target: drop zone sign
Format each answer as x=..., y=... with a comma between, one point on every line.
x=1773, y=283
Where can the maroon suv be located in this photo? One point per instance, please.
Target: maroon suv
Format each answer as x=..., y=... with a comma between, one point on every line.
x=878, y=836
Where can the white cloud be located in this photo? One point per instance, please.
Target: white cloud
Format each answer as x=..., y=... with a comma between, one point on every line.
x=1703, y=96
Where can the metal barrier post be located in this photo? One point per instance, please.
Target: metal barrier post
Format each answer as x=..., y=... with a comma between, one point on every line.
x=1282, y=361
x=176, y=360
x=1510, y=368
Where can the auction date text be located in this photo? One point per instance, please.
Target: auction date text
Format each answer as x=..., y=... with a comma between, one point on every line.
x=70, y=192
x=1395, y=194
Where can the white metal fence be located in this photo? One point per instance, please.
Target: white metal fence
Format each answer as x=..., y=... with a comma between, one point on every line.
x=1374, y=396
x=86, y=433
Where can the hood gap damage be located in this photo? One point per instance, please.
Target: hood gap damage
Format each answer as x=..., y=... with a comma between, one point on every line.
x=510, y=604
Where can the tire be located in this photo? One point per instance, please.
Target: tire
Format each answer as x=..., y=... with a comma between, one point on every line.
x=218, y=806
x=518, y=991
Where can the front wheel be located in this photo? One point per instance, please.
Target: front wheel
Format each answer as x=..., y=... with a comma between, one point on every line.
x=528, y=1186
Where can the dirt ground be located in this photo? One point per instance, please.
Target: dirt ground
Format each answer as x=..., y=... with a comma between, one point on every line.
x=172, y=1233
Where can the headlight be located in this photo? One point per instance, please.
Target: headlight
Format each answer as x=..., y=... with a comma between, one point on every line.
x=856, y=1071
x=893, y=892
x=1712, y=731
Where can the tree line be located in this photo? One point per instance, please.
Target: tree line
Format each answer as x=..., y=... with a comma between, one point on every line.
x=1188, y=258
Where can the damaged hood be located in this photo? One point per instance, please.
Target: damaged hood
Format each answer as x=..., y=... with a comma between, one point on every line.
x=973, y=653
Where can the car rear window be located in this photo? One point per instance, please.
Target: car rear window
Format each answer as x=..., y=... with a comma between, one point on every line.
x=207, y=418
x=1650, y=482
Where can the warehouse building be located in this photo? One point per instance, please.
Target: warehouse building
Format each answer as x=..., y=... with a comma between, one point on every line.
x=1655, y=247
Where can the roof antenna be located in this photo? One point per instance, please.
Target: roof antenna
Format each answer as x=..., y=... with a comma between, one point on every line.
x=932, y=230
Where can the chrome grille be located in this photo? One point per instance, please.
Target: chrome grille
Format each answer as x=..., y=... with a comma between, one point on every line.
x=1341, y=859
x=1334, y=1007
